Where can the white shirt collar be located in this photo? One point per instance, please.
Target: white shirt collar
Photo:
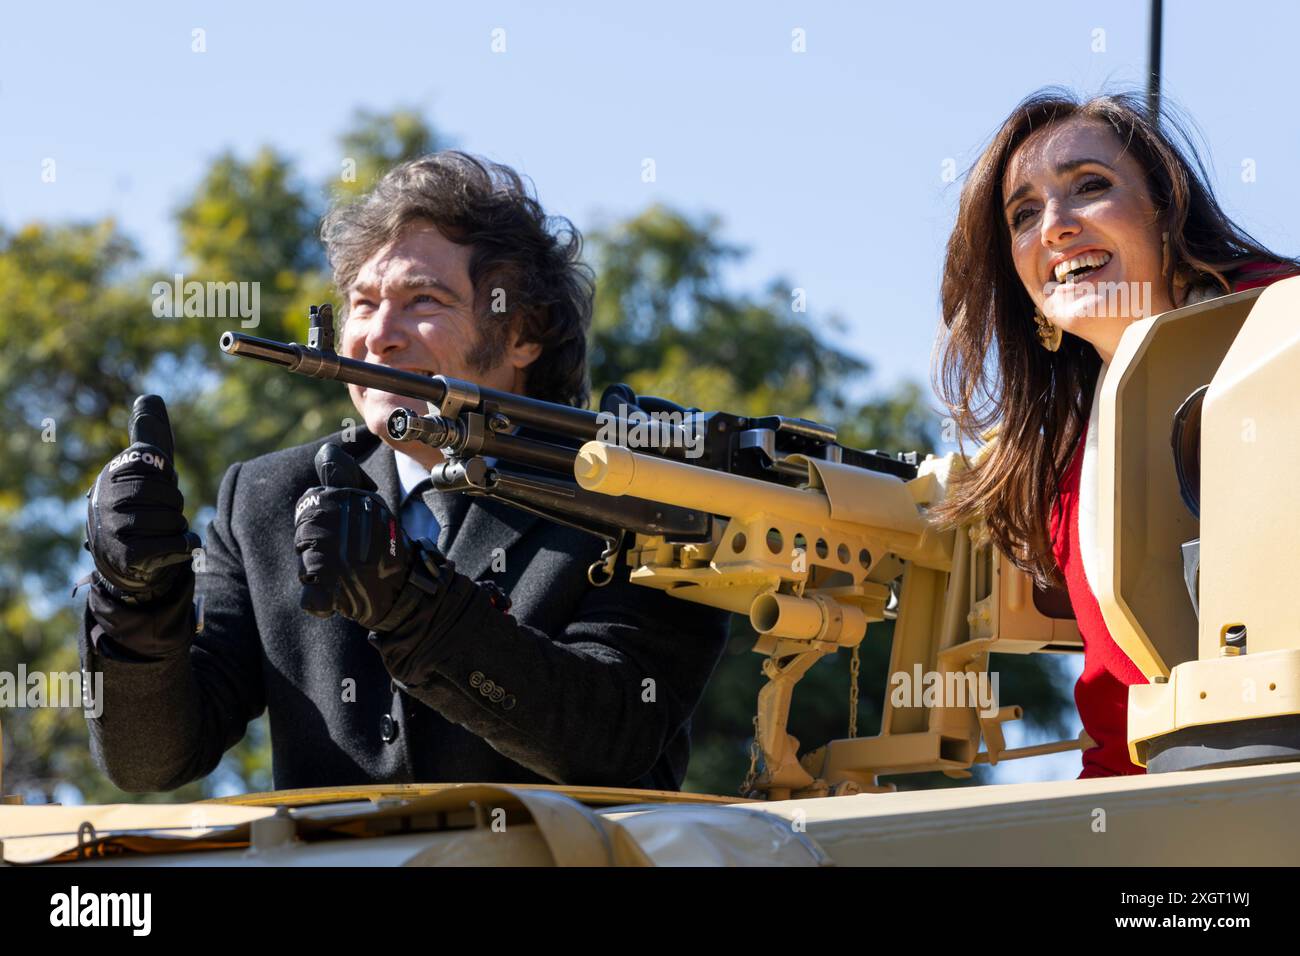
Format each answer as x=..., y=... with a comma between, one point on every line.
x=409, y=473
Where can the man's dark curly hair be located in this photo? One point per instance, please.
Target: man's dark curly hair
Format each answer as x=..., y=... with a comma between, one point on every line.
x=534, y=258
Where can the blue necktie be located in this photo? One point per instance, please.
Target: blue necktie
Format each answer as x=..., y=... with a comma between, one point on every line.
x=417, y=520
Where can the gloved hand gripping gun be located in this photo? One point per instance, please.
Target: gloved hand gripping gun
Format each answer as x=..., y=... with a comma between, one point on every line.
x=769, y=517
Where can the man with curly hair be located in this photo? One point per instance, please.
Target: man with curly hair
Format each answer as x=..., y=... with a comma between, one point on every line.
x=393, y=633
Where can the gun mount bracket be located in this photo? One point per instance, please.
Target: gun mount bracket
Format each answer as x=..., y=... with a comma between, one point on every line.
x=460, y=395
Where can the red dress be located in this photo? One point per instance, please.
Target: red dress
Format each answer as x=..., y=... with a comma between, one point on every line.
x=1102, y=691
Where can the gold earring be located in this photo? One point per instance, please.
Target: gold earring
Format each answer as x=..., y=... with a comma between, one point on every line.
x=1049, y=335
x=1164, y=262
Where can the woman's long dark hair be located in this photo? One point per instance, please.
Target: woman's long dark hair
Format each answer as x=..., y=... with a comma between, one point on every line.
x=990, y=368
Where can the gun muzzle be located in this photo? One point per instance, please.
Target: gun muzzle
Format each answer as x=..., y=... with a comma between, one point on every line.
x=405, y=425
x=283, y=354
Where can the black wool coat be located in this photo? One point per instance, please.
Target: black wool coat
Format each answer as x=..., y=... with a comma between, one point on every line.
x=576, y=685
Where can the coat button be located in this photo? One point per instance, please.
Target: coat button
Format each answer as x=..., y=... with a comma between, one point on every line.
x=388, y=728
x=475, y=679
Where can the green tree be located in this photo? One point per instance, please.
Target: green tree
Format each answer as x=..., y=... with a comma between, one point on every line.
x=664, y=323
x=73, y=353
x=375, y=142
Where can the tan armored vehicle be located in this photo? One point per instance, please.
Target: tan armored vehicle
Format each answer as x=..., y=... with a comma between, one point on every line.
x=1199, y=442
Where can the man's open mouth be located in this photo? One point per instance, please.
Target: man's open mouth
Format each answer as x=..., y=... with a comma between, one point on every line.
x=1071, y=270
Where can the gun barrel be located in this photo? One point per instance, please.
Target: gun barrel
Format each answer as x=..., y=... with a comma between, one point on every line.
x=815, y=618
x=844, y=497
x=264, y=350
x=317, y=363
x=615, y=470
x=576, y=423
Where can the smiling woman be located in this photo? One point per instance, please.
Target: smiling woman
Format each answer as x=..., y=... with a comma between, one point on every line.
x=1078, y=219
x=1072, y=174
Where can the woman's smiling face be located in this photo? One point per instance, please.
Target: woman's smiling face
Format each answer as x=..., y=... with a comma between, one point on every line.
x=1085, y=237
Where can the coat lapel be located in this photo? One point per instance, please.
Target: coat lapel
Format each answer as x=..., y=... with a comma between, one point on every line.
x=448, y=505
x=486, y=526
x=381, y=466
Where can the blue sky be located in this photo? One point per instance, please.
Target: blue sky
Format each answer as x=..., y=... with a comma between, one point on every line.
x=826, y=164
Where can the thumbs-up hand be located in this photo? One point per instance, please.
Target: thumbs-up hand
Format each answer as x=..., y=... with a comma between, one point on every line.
x=353, y=556
x=135, y=524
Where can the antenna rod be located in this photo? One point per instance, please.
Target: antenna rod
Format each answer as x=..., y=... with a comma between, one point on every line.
x=1153, y=61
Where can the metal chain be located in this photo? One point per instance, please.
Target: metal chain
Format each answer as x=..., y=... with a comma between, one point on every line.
x=747, y=786
x=854, y=663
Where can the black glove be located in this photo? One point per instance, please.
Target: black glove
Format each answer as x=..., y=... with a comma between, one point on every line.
x=353, y=556
x=135, y=525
